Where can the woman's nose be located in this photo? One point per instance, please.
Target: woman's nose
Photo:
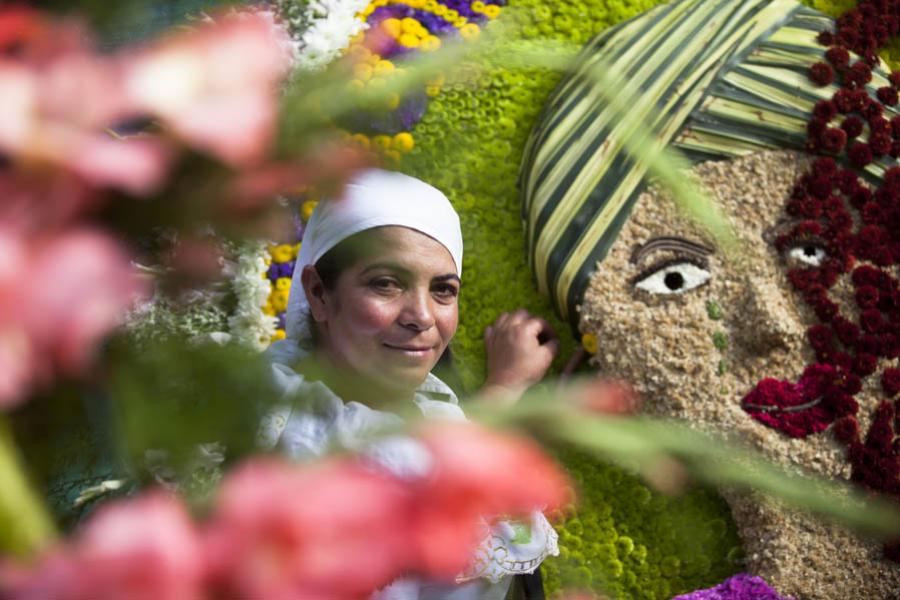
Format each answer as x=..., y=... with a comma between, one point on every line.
x=766, y=318
x=417, y=311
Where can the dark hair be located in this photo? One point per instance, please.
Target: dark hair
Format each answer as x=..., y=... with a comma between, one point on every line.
x=343, y=256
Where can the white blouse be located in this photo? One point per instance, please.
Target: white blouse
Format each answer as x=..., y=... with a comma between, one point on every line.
x=327, y=423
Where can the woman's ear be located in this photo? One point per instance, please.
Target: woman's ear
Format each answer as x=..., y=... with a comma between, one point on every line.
x=314, y=289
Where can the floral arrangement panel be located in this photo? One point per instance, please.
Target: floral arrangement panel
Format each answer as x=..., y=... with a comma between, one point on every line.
x=790, y=342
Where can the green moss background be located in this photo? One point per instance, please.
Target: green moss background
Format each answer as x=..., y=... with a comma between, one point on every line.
x=624, y=538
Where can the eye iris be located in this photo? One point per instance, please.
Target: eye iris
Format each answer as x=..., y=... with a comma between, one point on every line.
x=809, y=251
x=674, y=280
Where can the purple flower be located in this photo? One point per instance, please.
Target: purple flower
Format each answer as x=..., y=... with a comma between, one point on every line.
x=739, y=587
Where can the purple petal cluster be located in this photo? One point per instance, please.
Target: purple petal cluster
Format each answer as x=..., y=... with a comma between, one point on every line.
x=739, y=587
x=278, y=270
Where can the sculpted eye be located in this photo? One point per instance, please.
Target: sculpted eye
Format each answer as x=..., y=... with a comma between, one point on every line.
x=808, y=253
x=673, y=278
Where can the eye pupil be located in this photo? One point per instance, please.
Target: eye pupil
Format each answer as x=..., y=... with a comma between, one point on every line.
x=809, y=250
x=674, y=280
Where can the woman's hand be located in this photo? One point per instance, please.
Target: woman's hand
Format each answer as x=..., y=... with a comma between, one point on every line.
x=520, y=348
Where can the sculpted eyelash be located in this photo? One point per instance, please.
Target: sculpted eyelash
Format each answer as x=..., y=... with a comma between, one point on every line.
x=698, y=262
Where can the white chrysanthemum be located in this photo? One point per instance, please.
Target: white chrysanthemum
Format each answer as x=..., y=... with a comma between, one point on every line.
x=323, y=30
x=249, y=324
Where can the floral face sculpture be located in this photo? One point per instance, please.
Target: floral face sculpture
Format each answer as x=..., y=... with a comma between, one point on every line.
x=793, y=344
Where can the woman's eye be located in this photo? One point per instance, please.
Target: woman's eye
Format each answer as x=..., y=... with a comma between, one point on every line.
x=811, y=254
x=673, y=279
x=384, y=284
x=446, y=291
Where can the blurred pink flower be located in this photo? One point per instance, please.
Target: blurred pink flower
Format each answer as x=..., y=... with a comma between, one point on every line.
x=58, y=297
x=331, y=531
x=478, y=475
x=140, y=549
x=58, y=96
x=215, y=87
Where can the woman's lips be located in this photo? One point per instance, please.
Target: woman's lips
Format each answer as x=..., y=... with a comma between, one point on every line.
x=797, y=409
x=411, y=350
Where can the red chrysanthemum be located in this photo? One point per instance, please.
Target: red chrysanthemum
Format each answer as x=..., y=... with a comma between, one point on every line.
x=890, y=382
x=833, y=140
x=853, y=126
x=843, y=101
x=887, y=95
x=837, y=56
x=846, y=430
x=821, y=74
x=859, y=154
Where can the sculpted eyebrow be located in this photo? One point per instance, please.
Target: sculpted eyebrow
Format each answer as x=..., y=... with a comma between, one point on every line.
x=670, y=243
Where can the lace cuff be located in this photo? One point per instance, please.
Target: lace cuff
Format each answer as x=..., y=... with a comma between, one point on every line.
x=513, y=548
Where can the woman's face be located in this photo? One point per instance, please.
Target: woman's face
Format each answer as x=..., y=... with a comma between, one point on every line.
x=697, y=332
x=391, y=314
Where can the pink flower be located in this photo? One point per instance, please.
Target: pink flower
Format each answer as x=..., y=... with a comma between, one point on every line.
x=331, y=531
x=142, y=549
x=58, y=297
x=215, y=87
x=478, y=475
x=81, y=285
x=58, y=96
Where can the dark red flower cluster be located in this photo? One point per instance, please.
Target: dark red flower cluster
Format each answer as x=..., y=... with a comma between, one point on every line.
x=864, y=244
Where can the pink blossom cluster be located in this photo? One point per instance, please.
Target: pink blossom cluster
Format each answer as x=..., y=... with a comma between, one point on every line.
x=64, y=283
x=336, y=530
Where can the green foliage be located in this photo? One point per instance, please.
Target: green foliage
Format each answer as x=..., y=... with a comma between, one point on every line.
x=172, y=395
x=633, y=542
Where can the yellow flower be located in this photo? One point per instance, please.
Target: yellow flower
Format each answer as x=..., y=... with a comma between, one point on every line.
x=377, y=82
x=451, y=15
x=381, y=142
x=361, y=139
x=393, y=27
x=429, y=5
x=282, y=252
x=477, y=6
x=470, y=31
x=432, y=90
x=438, y=80
x=492, y=11
x=279, y=335
x=460, y=22
x=392, y=156
x=383, y=68
x=377, y=3
x=440, y=10
x=403, y=142
x=268, y=309
x=358, y=39
x=431, y=43
x=409, y=40
x=355, y=85
x=366, y=12
x=279, y=300
x=362, y=71
x=307, y=208
x=410, y=25
x=589, y=341
x=416, y=3
x=283, y=284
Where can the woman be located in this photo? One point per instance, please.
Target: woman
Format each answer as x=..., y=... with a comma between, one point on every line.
x=372, y=308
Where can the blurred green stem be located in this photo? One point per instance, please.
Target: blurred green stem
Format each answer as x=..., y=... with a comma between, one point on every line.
x=25, y=525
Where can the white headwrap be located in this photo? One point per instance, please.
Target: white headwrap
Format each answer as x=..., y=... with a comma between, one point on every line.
x=374, y=198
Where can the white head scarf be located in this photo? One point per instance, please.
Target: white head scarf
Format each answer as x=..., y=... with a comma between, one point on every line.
x=374, y=198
